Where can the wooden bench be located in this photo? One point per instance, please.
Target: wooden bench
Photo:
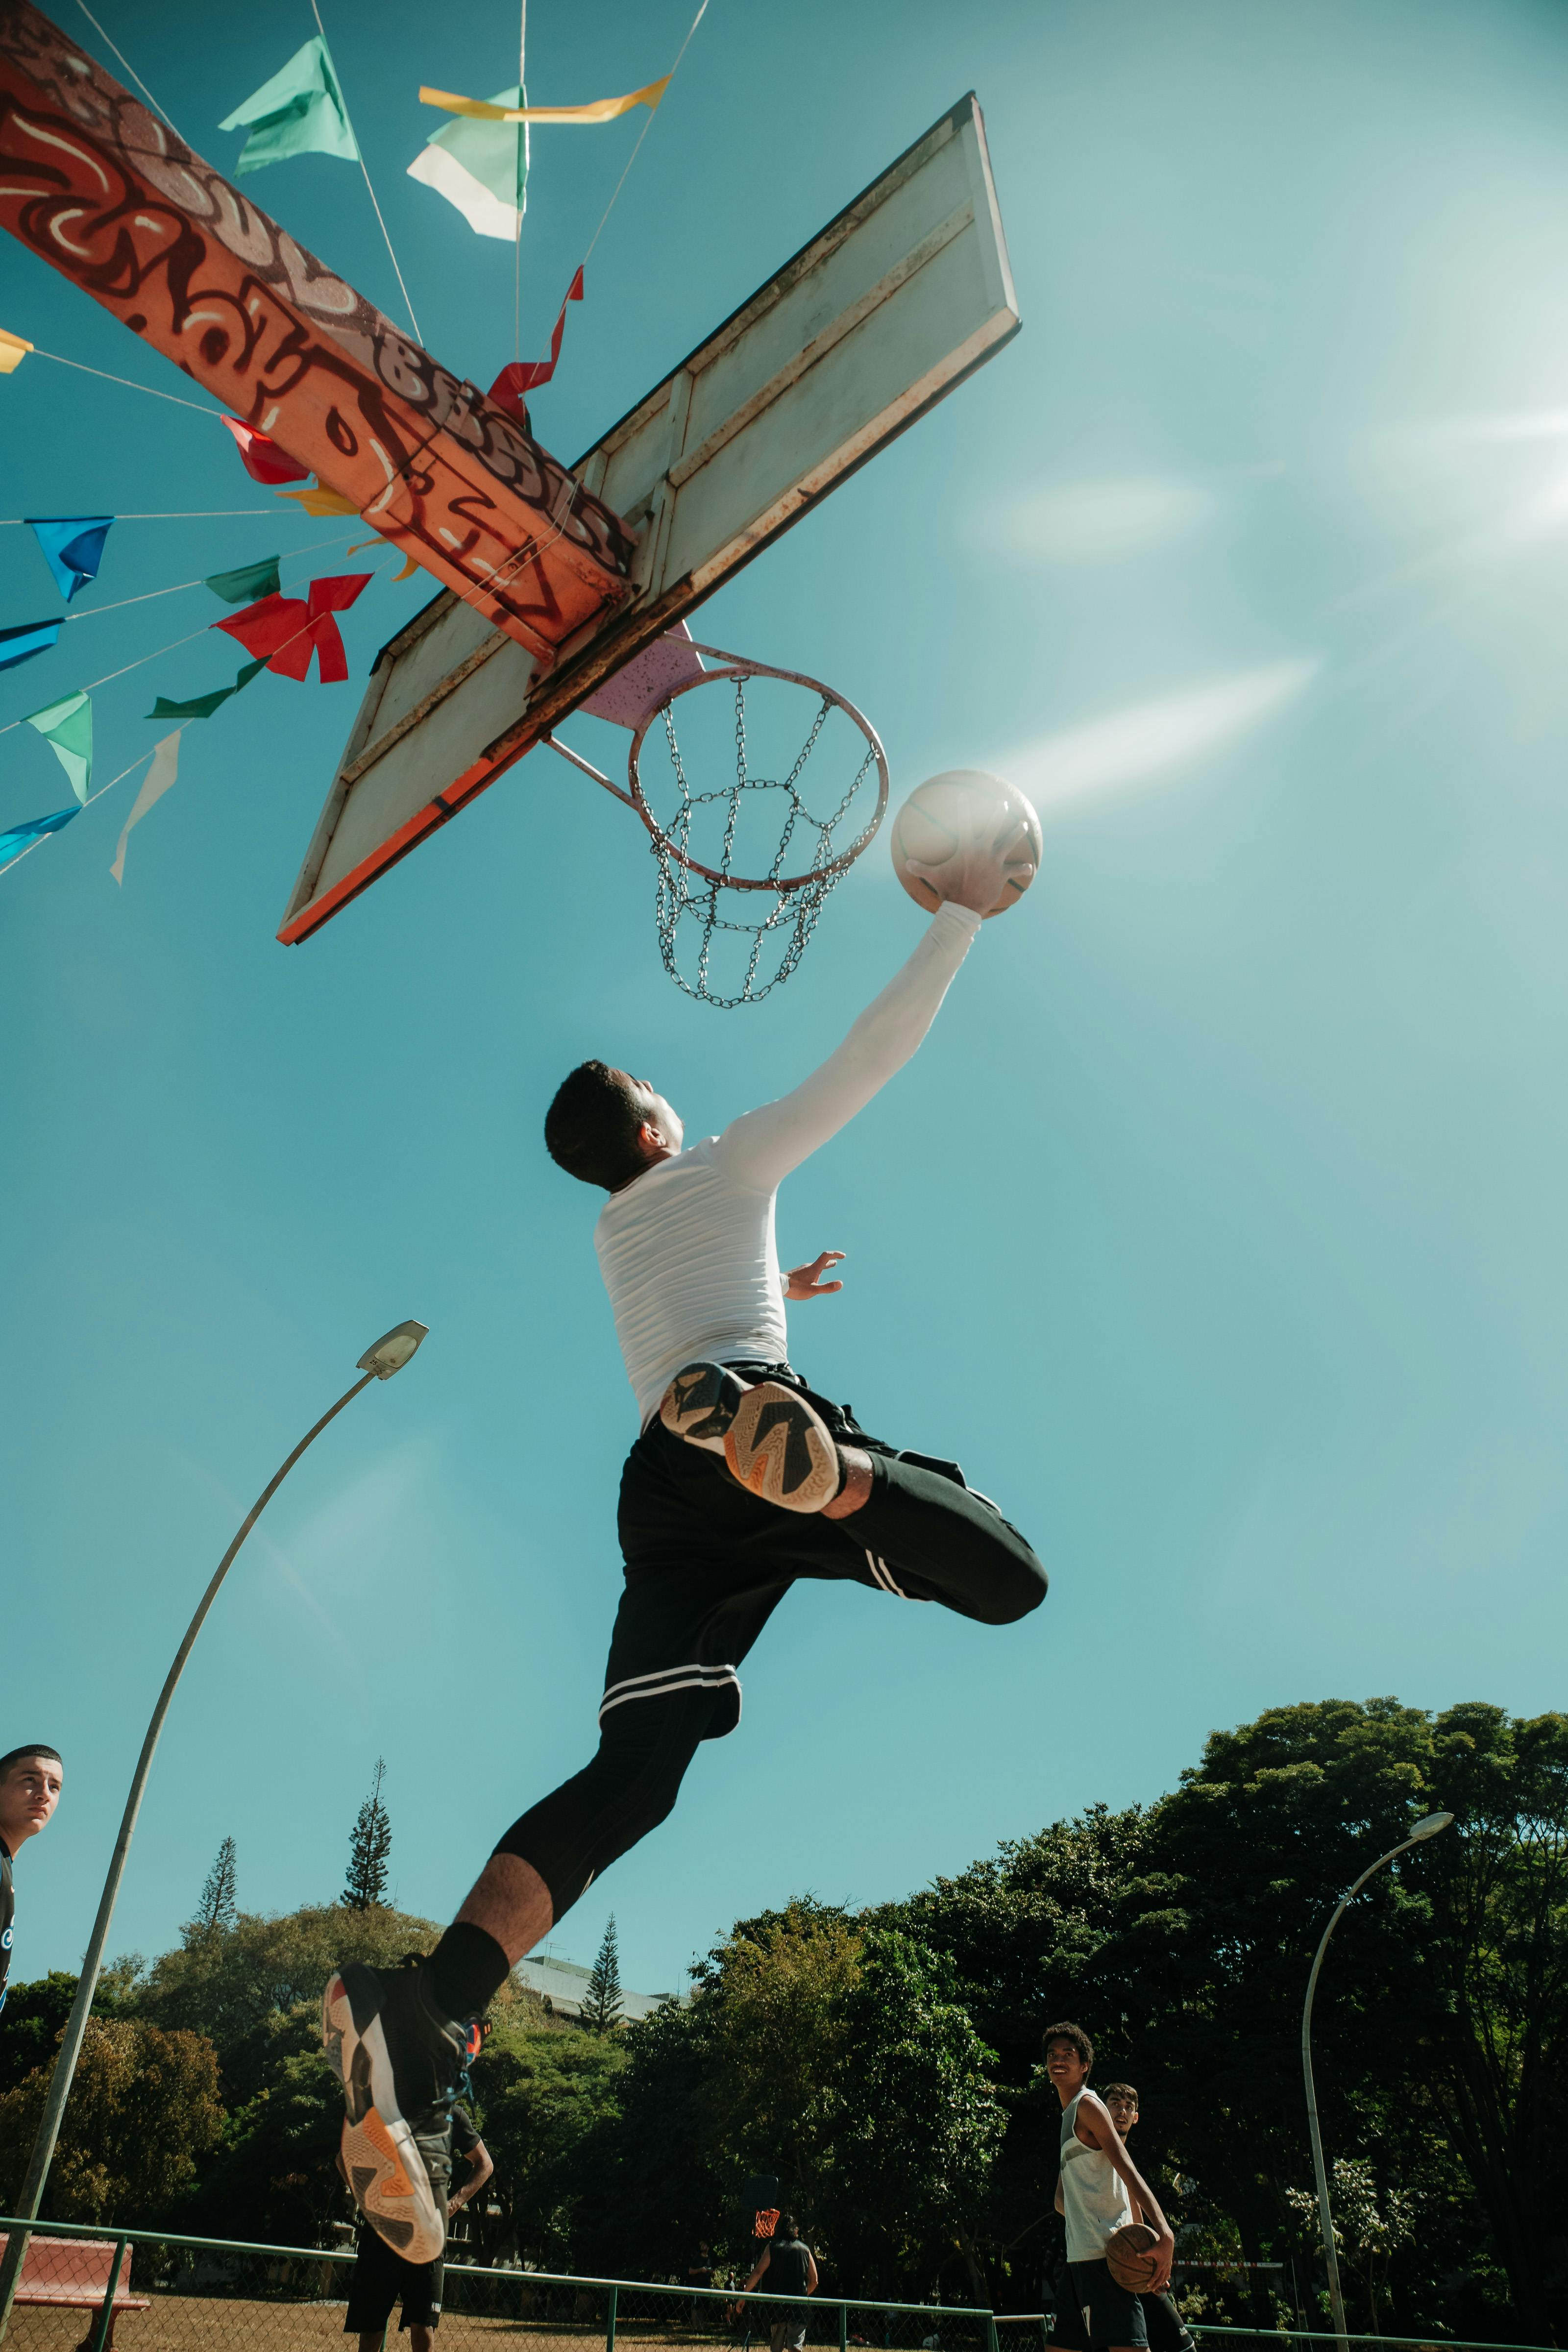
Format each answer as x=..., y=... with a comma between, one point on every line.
x=74, y=2272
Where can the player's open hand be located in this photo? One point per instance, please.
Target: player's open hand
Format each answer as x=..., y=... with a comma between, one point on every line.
x=805, y=1281
x=980, y=878
x=1165, y=2253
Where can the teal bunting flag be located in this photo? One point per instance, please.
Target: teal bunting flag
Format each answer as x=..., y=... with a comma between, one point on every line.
x=482, y=168
x=65, y=727
x=299, y=111
x=250, y=582
x=202, y=706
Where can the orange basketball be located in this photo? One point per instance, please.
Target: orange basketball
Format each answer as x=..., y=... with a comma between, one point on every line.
x=1129, y=2256
x=951, y=813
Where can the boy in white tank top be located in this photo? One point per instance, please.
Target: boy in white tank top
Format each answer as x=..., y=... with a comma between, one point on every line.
x=1099, y=2191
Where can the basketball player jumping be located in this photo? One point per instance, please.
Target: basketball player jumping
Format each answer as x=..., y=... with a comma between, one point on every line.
x=742, y=1480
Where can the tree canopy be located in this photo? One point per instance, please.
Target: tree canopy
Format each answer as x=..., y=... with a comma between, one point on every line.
x=884, y=2063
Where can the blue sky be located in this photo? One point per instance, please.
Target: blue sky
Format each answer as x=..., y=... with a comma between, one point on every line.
x=1217, y=1229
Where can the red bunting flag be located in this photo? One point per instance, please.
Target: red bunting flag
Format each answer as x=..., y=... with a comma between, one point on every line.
x=285, y=631
x=527, y=375
x=263, y=460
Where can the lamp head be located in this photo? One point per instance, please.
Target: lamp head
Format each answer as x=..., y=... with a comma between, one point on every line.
x=1430, y=1825
x=392, y=1349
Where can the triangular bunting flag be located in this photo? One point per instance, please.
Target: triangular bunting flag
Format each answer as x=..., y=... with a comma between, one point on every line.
x=244, y=585
x=597, y=109
x=66, y=726
x=299, y=111
x=319, y=501
x=13, y=352
x=527, y=375
x=263, y=460
x=482, y=168
x=164, y=768
x=202, y=706
x=73, y=547
x=21, y=838
x=27, y=638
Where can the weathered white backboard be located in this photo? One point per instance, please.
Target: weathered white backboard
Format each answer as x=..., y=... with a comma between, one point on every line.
x=895, y=302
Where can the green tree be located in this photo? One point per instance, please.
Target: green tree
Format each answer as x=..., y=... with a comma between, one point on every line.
x=919, y=2122
x=772, y=1995
x=230, y=1984
x=602, y=2002
x=216, y=1905
x=144, y=2109
x=545, y=2103
x=369, y=1847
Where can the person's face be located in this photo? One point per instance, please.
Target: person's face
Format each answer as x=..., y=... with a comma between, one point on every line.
x=28, y=1795
x=1065, y=2067
x=1123, y=2111
x=655, y=1110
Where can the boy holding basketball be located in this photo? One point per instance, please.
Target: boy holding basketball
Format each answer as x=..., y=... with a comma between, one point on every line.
x=1167, y=2330
x=742, y=1480
x=1099, y=2191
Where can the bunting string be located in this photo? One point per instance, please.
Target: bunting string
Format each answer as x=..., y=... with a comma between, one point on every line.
x=131, y=69
x=370, y=191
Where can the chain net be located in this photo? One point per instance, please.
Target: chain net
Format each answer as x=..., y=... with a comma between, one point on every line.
x=734, y=949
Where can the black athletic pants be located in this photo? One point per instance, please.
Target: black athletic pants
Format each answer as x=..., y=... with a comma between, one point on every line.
x=707, y=1563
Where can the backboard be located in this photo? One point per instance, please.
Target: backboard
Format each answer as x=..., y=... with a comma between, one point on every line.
x=891, y=305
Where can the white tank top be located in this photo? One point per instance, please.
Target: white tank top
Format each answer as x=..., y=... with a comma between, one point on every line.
x=1094, y=2195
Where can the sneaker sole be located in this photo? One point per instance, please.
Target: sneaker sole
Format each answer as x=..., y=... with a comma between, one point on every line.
x=385, y=2170
x=773, y=1442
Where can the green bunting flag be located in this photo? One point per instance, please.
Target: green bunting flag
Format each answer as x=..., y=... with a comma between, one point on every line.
x=299, y=111
x=482, y=168
x=66, y=726
x=249, y=582
x=202, y=706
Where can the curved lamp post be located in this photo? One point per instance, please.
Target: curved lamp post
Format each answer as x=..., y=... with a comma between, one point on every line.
x=1422, y=1830
x=388, y=1355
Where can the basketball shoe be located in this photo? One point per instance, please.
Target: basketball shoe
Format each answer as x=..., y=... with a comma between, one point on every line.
x=401, y=2065
x=773, y=1440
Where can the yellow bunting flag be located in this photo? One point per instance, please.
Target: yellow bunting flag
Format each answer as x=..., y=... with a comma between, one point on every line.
x=317, y=501
x=13, y=352
x=598, y=109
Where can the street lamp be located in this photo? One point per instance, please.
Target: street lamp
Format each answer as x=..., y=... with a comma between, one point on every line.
x=1422, y=1830
x=388, y=1355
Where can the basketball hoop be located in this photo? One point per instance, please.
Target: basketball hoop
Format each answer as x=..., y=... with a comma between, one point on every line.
x=778, y=833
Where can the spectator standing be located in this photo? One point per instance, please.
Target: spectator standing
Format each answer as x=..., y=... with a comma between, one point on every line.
x=382, y=2278
x=1167, y=2330
x=30, y=1783
x=790, y=2268
x=1095, y=2191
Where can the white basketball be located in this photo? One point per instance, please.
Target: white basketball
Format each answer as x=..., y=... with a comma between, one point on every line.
x=951, y=813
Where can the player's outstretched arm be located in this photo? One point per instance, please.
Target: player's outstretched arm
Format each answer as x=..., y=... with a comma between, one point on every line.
x=759, y=1150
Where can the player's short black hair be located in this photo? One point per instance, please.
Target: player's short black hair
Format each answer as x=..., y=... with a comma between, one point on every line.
x=16, y=1756
x=1119, y=2091
x=591, y=1127
x=1074, y=2035
x=788, y=2228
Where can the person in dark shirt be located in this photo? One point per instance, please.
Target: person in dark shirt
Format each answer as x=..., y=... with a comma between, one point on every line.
x=382, y=2278
x=30, y=1782
x=1167, y=2330
x=790, y=2268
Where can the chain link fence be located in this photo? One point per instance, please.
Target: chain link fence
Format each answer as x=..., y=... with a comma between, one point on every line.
x=95, y=2290
x=1029, y=2331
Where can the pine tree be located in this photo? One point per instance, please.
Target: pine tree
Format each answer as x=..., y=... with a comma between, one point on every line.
x=602, y=2001
x=368, y=1849
x=216, y=1905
